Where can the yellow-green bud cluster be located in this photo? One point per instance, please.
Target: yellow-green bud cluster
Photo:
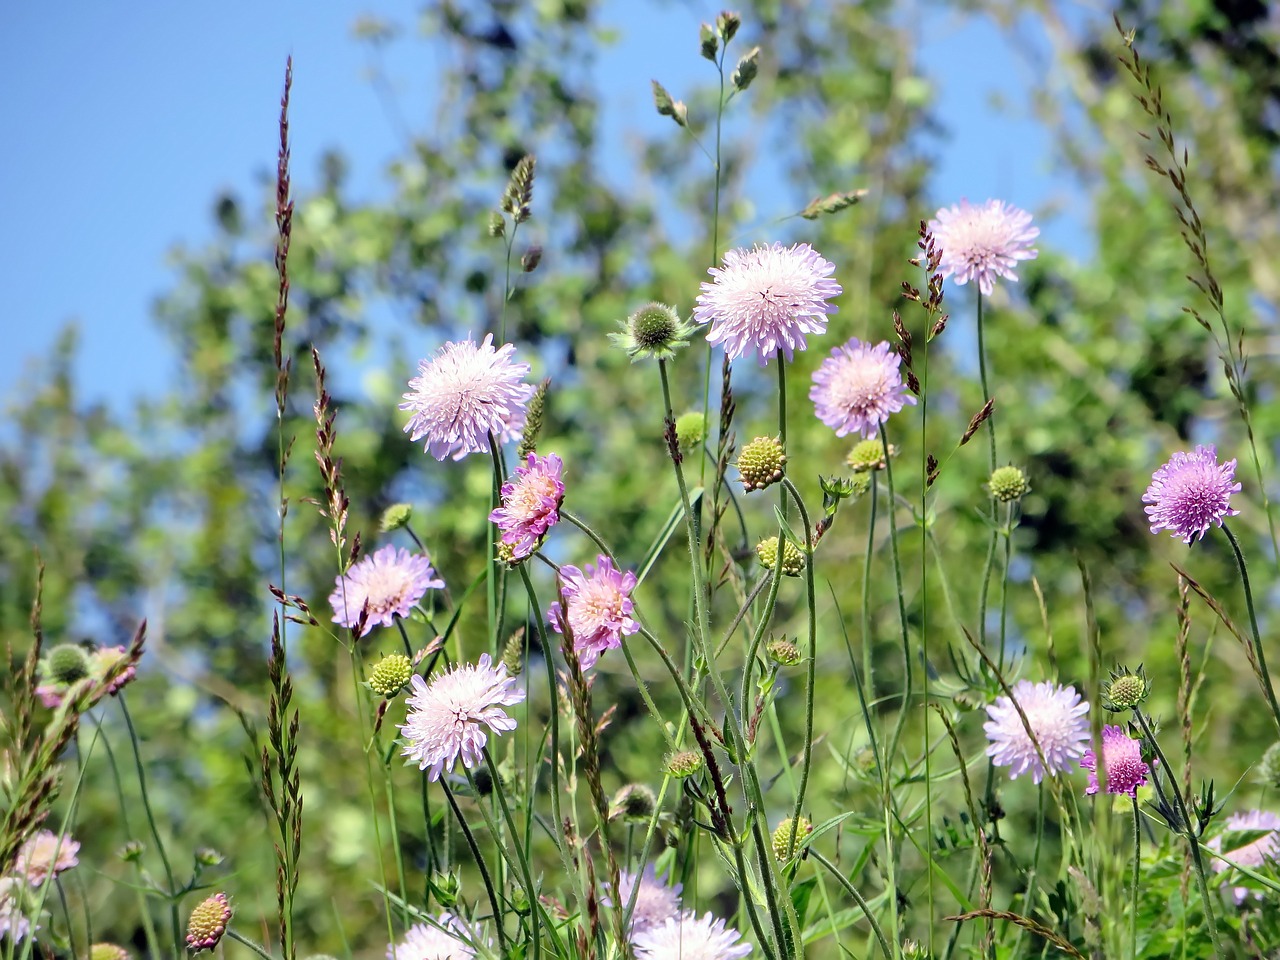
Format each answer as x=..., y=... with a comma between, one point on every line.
x=782, y=651
x=1126, y=691
x=654, y=331
x=691, y=430
x=792, y=557
x=761, y=462
x=395, y=516
x=1008, y=483
x=868, y=455
x=684, y=763
x=66, y=664
x=108, y=951
x=513, y=653
x=787, y=839
x=390, y=675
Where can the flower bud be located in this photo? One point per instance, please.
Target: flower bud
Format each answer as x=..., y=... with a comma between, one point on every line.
x=208, y=922
x=792, y=558
x=390, y=675
x=684, y=763
x=108, y=951
x=691, y=430
x=635, y=803
x=66, y=663
x=869, y=455
x=790, y=835
x=395, y=516
x=655, y=330
x=1008, y=483
x=783, y=652
x=761, y=462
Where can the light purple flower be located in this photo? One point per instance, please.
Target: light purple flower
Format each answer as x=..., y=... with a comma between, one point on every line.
x=1122, y=755
x=655, y=903
x=598, y=606
x=766, y=299
x=447, y=939
x=530, y=504
x=14, y=924
x=45, y=855
x=857, y=387
x=1191, y=493
x=1256, y=853
x=689, y=937
x=447, y=716
x=388, y=583
x=1057, y=717
x=983, y=242
x=463, y=394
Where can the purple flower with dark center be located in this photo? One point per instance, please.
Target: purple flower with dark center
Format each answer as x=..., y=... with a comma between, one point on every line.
x=983, y=242
x=1191, y=493
x=448, y=716
x=530, y=504
x=1257, y=852
x=597, y=605
x=381, y=587
x=766, y=299
x=465, y=393
x=857, y=387
x=1122, y=757
x=1056, y=715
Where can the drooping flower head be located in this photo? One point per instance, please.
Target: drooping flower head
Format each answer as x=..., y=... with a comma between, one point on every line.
x=655, y=902
x=983, y=242
x=1056, y=716
x=426, y=941
x=1122, y=755
x=45, y=855
x=463, y=394
x=530, y=504
x=857, y=387
x=766, y=299
x=386, y=583
x=1191, y=493
x=1256, y=852
x=448, y=716
x=689, y=937
x=597, y=604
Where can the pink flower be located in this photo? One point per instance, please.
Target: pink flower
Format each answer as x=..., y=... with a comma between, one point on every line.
x=983, y=242
x=1191, y=493
x=767, y=299
x=857, y=387
x=1256, y=852
x=1056, y=716
x=598, y=607
x=689, y=937
x=448, y=716
x=46, y=855
x=530, y=504
x=446, y=939
x=381, y=587
x=1122, y=756
x=465, y=393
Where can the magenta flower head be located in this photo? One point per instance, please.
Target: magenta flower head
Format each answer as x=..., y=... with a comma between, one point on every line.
x=983, y=242
x=463, y=394
x=1257, y=851
x=380, y=587
x=689, y=937
x=1056, y=716
x=767, y=299
x=446, y=939
x=530, y=504
x=597, y=605
x=1191, y=493
x=1122, y=755
x=45, y=855
x=448, y=716
x=857, y=387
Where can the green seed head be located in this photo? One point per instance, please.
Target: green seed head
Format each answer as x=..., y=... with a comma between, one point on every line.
x=868, y=455
x=66, y=663
x=390, y=675
x=791, y=833
x=635, y=803
x=783, y=652
x=761, y=462
x=792, y=558
x=1008, y=483
x=691, y=429
x=395, y=517
x=684, y=763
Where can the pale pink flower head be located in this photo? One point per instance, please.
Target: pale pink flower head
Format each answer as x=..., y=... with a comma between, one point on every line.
x=1257, y=852
x=530, y=504
x=1191, y=493
x=45, y=855
x=448, y=717
x=380, y=587
x=1122, y=755
x=1056, y=716
x=857, y=387
x=104, y=659
x=14, y=924
x=689, y=937
x=598, y=607
x=766, y=299
x=446, y=939
x=655, y=902
x=465, y=393
x=983, y=242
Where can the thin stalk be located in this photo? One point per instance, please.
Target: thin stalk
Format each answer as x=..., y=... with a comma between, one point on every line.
x=535, y=908
x=866, y=595
x=857, y=898
x=1007, y=533
x=245, y=941
x=991, y=438
x=480, y=864
x=1137, y=861
x=715, y=252
x=1253, y=626
x=902, y=606
x=811, y=676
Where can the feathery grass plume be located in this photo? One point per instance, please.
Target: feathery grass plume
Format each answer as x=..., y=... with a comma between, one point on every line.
x=669, y=107
x=978, y=420
x=746, y=71
x=282, y=786
x=832, y=203
x=533, y=421
x=380, y=587
x=726, y=443
x=518, y=196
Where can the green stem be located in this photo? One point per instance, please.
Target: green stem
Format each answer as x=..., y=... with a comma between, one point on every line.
x=245, y=941
x=811, y=676
x=991, y=438
x=470, y=837
x=866, y=595
x=857, y=897
x=531, y=893
x=1137, y=862
x=1253, y=626
x=902, y=606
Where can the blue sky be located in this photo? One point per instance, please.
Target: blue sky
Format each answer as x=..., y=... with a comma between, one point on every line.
x=125, y=120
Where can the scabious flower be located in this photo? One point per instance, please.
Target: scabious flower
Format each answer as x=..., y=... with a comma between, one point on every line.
x=530, y=504
x=463, y=394
x=1191, y=493
x=655, y=903
x=766, y=299
x=689, y=937
x=1255, y=853
x=857, y=387
x=67, y=664
x=208, y=922
x=387, y=583
x=1122, y=756
x=14, y=924
x=1056, y=716
x=983, y=242
x=447, y=717
x=597, y=605
x=45, y=855
x=425, y=941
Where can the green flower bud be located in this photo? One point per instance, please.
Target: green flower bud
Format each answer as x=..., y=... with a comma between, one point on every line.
x=655, y=330
x=65, y=664
x=684, y=763
x=1008, y=483
x=792, y=557
x=635, y=803
x=761, y=462
x=390, y=675
x=869, y=455
x=691, y=429
x=395, y=516
x=790, y=835
x=782, y=651
x=108, y=951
